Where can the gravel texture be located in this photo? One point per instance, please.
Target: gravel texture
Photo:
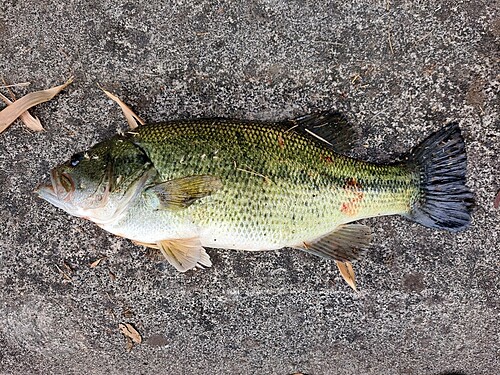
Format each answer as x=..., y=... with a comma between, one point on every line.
x=428, y=301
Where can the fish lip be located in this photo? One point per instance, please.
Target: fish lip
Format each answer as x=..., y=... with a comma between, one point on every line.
x=44, y=188
x=47, y=192
x=54, y=191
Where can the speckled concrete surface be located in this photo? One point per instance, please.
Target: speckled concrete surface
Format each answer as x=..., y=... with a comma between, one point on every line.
x=428, y=301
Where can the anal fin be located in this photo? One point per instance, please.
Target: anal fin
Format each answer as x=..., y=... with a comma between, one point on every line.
x=145, y=244
x=346, y=243
x=184, y=254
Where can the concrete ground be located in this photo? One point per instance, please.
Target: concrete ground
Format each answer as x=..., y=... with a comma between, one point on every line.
x=428, y=301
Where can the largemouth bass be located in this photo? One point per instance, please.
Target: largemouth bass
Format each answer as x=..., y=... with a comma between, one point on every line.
x=181, y=186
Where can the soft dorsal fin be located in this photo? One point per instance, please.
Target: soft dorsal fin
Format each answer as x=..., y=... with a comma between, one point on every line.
x=184, y=254
x=330, y=128
x=182, y=192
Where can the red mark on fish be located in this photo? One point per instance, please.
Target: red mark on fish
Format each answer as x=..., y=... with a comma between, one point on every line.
x=327, y=159
x=355, y=194
x=281, y=142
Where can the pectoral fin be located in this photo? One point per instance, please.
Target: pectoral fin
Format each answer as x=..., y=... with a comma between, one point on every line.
x=182, y=192
x=185, y=253
x=344, y=244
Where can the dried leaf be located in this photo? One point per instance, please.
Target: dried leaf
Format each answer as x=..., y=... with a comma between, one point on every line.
x=129, y=331
x=12, y=112
x=96, y=262
x=347, y=273
x=31, y=122
x=496, y=203
x=129, y=114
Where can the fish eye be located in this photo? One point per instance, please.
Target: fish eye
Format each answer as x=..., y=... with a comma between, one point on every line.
x=76, y=159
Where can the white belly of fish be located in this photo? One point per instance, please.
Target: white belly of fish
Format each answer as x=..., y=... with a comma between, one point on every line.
x=153, y=226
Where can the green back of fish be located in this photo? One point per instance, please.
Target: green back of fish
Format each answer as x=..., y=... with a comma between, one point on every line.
x=276, y=180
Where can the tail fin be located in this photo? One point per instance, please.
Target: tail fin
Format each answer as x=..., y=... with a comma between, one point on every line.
x=444, y=201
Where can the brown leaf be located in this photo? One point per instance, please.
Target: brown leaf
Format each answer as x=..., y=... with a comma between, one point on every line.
x=347, y=272
x=96, y=262
x=129, y=331
x=31, y=122
x=496, y=203
x=13, y=111
x=129, y=114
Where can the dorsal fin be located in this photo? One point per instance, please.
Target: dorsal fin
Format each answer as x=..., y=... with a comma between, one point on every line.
x=329, y=128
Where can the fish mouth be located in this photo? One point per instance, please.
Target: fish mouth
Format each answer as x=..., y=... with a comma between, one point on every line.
x=59, y=191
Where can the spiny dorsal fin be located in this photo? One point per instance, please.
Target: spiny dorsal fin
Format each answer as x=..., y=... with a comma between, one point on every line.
x=346, y=243
x=329, y=128
x=185, y=253
x=182, y=192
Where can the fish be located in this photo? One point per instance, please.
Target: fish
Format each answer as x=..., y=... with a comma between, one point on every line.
x=182, y=186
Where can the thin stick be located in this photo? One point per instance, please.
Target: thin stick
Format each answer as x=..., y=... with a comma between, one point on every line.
x=317, y=136
x=22, y=84
x=390, y=43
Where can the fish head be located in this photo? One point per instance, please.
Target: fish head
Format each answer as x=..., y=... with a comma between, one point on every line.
x=97, y=184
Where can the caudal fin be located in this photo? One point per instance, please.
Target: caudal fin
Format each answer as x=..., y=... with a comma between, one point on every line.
x=444, y=201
